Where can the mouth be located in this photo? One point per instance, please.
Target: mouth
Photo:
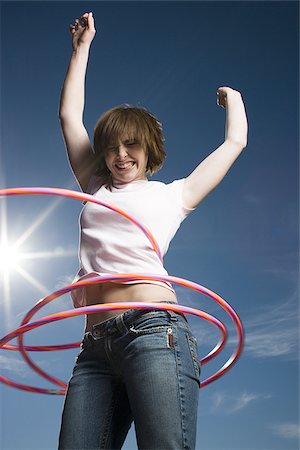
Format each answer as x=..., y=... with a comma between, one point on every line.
x=125, y=166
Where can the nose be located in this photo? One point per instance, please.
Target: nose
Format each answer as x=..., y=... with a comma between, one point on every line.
x=122, y=151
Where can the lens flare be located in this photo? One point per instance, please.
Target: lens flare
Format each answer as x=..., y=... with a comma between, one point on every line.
x=9, y=257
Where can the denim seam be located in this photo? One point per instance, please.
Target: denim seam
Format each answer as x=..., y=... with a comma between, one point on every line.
x=108, y=342
x=151, y=330
x=106, y=426
x=181, y=394
x=193, y=356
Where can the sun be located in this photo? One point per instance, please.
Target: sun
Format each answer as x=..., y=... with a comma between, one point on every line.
x=14, y=255
x=9, y=257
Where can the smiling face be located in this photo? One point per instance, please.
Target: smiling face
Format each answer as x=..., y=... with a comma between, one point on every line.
x=128, y=142
x=127, y=161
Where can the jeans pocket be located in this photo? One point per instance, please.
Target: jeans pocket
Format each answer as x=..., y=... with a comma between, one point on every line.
x=193, y=347
x=150, y=323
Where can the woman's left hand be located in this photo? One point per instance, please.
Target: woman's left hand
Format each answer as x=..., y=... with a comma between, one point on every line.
x=225, y=94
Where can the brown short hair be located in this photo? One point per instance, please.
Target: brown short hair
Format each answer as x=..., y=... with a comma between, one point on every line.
x=128, y=122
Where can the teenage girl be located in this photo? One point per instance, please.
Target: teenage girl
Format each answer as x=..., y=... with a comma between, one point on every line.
x=137, y=366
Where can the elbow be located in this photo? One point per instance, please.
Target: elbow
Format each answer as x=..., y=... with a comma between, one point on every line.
x=239, y=143
x=61, y=108
x=66, y=118
x=244, y=139
x=62, y=116
x=239, y=138
x=244, y=143
x=64, y=113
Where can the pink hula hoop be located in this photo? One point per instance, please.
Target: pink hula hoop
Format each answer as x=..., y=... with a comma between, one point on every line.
x=26, y=325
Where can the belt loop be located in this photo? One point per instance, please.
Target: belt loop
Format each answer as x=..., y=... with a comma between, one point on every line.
x=87, y=340
x=120, y=323
x=172, y=314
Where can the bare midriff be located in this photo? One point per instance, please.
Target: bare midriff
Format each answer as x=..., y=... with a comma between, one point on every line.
x=116, y=292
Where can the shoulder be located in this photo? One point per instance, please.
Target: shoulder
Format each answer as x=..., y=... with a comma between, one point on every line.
x=175, y=184
x=173, y=192
x=174, y=187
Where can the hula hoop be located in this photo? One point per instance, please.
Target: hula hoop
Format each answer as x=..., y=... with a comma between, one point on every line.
x=27, y=326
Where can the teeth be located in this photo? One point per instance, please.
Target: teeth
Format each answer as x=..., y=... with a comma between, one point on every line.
x=124, y=166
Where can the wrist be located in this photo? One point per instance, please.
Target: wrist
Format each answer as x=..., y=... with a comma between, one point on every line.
x=82, y=48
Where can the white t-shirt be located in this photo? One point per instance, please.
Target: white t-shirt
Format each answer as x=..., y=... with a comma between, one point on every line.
x=111, y=244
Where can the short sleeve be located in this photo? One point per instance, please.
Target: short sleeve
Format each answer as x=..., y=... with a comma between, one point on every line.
x=176, y=191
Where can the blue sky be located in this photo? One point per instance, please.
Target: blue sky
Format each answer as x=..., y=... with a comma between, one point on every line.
x=242, y=240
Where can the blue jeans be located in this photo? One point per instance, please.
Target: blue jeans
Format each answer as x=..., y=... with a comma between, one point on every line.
x=140, y=366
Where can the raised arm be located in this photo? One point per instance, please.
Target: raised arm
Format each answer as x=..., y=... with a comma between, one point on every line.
x=78, y=145
x=211, y=171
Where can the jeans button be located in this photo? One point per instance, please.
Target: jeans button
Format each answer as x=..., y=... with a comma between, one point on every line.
x=96, y=333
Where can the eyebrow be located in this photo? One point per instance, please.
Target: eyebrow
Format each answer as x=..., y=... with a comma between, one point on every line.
x=130, y=140
x=124, y=141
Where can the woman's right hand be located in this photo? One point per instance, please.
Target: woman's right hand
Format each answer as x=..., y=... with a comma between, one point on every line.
x=83, y=30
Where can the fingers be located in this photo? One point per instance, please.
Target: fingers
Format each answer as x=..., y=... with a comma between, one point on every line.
x=227, y=90
x=226, y=94
x=74, y=27
x=90, y=21
x=79, y=24
x=85, y=21
x=221, y=98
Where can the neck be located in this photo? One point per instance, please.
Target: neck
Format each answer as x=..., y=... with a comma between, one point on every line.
x=120, y=183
